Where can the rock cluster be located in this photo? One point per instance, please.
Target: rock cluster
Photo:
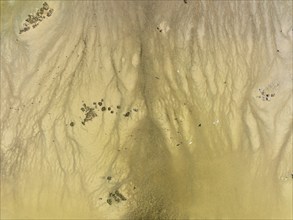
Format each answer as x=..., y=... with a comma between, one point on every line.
x=33, y=20
x=90, y=112
x=268, y=92
x=116, y=196
x=265, y=96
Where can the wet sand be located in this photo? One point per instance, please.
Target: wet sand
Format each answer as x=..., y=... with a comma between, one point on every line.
x=147, y=110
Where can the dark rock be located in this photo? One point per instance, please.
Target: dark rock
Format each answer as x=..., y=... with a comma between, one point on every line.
x=45, y=6
x=109, y=201
x=117, y=193
x=50, y=12
x=127, y=114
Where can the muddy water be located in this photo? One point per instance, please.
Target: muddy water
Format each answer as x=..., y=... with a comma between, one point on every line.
x=147, y=110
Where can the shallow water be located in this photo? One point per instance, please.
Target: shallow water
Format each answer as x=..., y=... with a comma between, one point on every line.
x=147, y=110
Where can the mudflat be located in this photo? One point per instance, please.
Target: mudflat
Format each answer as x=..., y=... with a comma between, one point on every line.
x=146, y=109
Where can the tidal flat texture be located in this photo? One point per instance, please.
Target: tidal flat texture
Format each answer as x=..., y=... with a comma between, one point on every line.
x=146, y=109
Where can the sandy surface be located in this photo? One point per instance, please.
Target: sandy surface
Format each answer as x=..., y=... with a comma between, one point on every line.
x=197, y=120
